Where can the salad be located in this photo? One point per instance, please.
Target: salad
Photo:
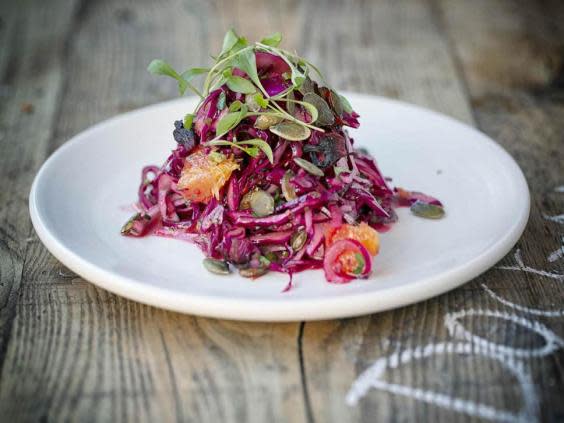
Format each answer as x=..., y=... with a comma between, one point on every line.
x=264, y=176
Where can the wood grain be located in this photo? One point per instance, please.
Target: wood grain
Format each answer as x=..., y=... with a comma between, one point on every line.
x=517, y=99
x=27, y=77
x=72, y=352
x=96, y=356
x=531, y=133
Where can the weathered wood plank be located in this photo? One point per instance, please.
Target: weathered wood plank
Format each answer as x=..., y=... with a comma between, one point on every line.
x=94, y=356
x=336, y=353
x=24, y=136
x=395, y=49
x=79, y=353
x=512, y=60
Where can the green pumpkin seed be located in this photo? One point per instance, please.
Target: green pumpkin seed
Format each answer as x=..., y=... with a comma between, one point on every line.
x=266, y=121
x=246, y=200
x=219, y=267
x=262, y=203
x=221, y=101
x=291, y=131
x=426, y=210
x=298, y=240
x=290, y=105
x=325, y=114
x=307, y=86
x=336, y=103
x=126, y=229
x=308, y=167
x=253, y=272
x=287, y=189
x=271, y=256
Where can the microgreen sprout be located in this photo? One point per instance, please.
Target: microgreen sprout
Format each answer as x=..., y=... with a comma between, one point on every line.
x=235, y=67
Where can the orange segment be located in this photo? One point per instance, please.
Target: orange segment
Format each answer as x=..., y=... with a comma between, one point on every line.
x=201, y=179
x=362, y=233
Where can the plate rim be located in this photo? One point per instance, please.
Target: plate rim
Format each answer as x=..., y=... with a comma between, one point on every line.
x=280, y=310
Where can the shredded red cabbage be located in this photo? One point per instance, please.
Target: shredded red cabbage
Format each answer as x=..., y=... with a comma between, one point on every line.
x=290, y=238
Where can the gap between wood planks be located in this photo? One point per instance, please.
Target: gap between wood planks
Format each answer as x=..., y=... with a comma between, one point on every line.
x=303, y=376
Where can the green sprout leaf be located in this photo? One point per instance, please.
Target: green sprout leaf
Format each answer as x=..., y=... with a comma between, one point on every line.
x=247, y=63
x=240, y=85
x=263, y=145
x=227, y=122
x=229, y=40
x=188, y=119
x=298, y=77
x=235, y=106
x=193, y=72
x=227, y=72
x=160, y=67
x=230, y=120
x=252, y=151
x=256, y=145
x=218, y=82
x=256, y=102
x=239, y=45
x=273, y=40
x=251, y=103
x=261, y=101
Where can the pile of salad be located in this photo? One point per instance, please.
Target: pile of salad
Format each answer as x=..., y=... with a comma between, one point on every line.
x=264, y=176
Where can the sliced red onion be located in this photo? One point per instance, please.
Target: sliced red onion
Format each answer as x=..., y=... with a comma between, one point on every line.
x=332, y=256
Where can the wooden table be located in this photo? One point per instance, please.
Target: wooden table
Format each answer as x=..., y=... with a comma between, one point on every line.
x=490, y=350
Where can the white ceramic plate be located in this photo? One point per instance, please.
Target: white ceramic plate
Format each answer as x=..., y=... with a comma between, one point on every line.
x=79, y=201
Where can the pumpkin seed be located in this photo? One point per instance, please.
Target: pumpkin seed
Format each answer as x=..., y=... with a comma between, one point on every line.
x=325, y=114
x=287, y=189
x=308, y=166
x=246, y=200
x=253, y=272
x=291, y=131
x=262, y=203
x=271, y=256
x=221, y=101
x=426, y=210
x=307, y=86
x=126, y=229
x=298, y=240
x=266, y=121
x=290, y=105
x=336, y=103
x=219, y=267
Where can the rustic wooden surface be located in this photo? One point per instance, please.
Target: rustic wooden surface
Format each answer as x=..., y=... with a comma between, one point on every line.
x=72, y=352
